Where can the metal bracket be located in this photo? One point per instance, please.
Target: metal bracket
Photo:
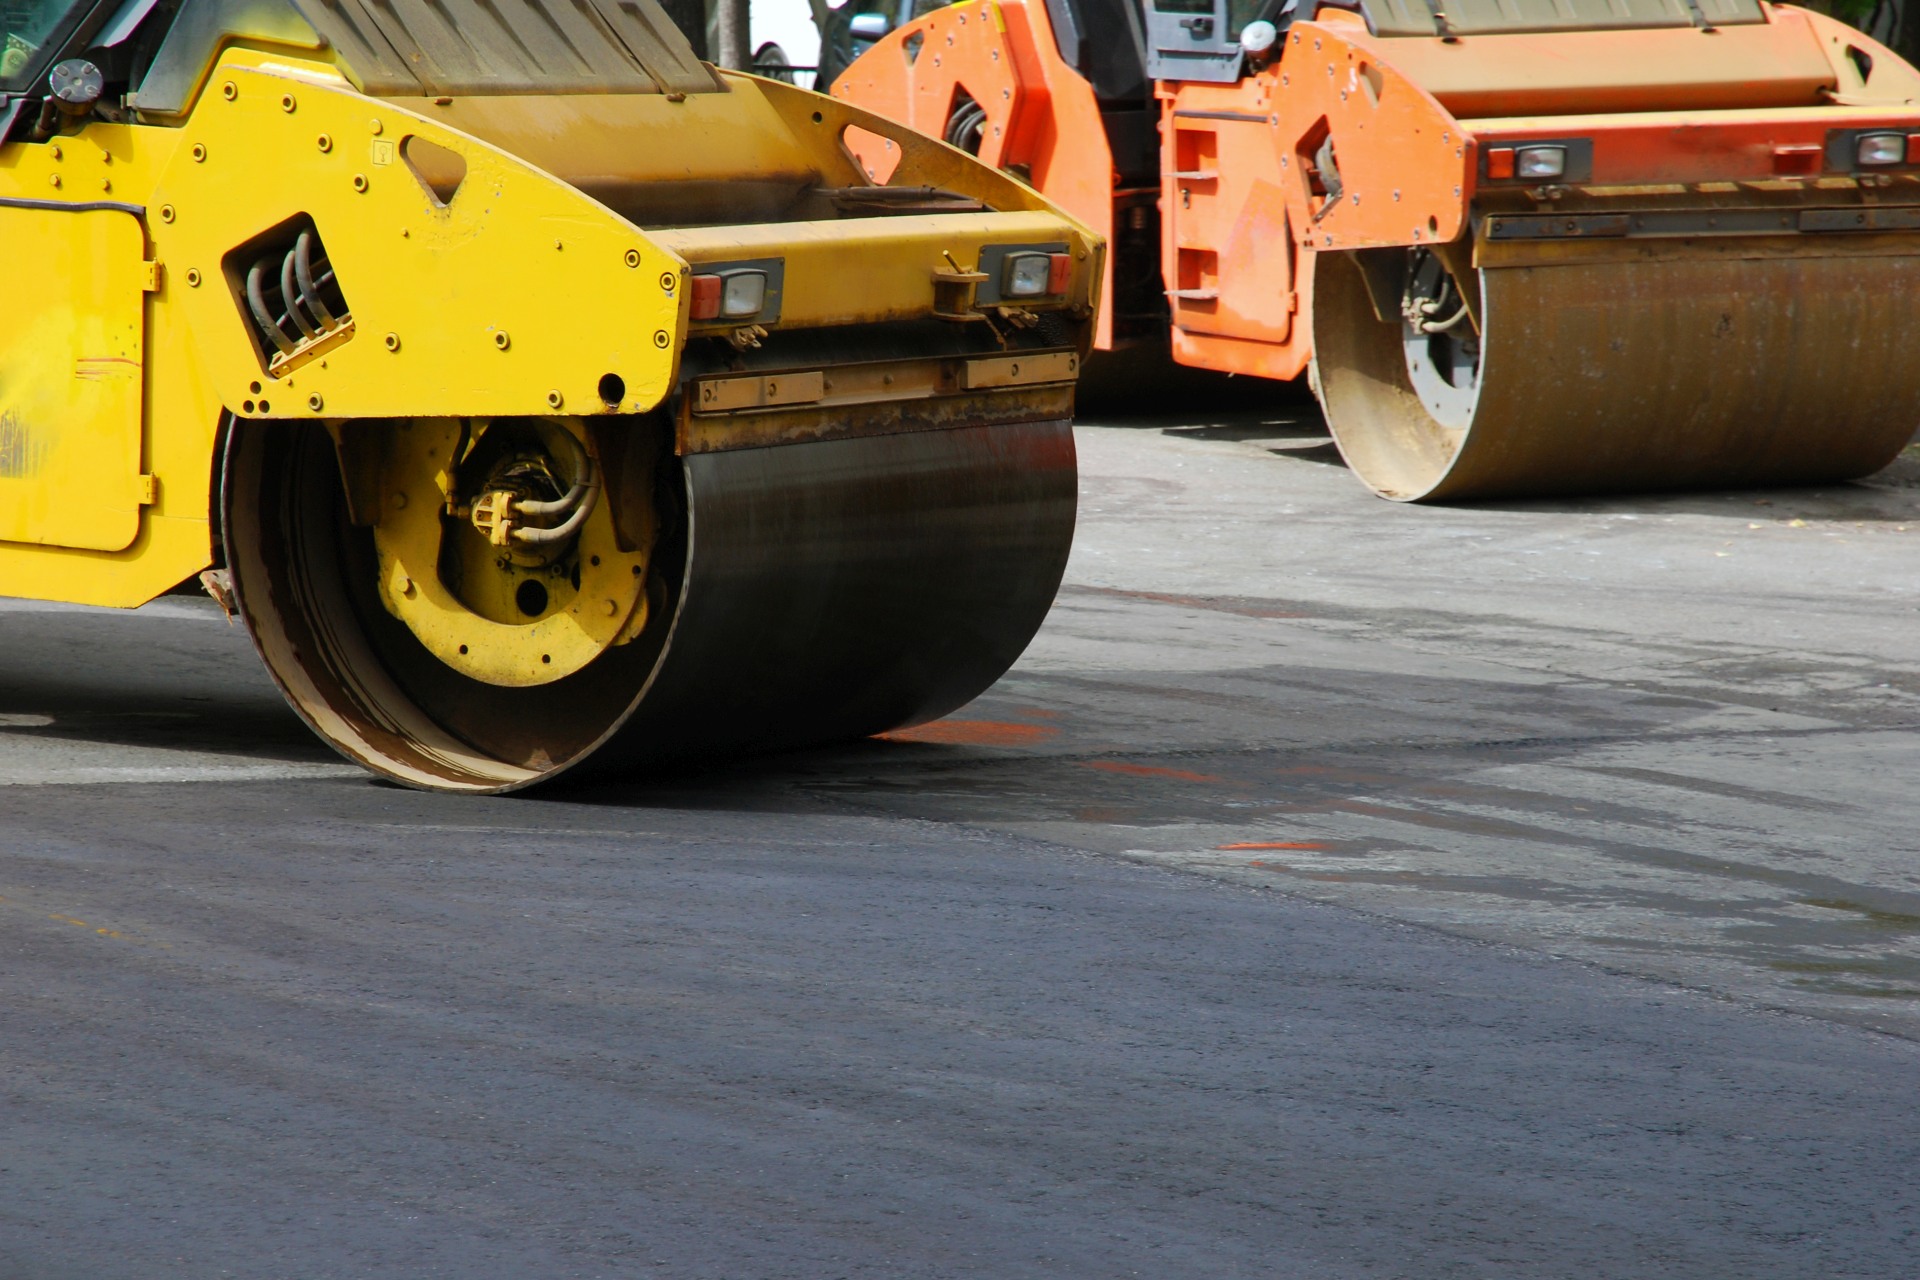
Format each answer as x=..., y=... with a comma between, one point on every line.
x=954, y=293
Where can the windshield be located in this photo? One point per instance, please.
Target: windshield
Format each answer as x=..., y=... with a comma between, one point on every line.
x=1241, y=12
x=25, y=25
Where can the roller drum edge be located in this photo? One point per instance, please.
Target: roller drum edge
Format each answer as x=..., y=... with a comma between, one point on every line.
x=1602, y=377
x=847, y=587
x=824, y=591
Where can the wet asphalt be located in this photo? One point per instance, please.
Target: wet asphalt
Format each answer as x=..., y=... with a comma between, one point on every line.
x=1336, y=889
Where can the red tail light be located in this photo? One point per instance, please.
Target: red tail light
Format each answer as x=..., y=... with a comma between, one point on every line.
x=1059, y=272
x=706, y=297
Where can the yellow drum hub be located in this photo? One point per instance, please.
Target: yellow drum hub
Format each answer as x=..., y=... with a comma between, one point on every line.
x=494, y=611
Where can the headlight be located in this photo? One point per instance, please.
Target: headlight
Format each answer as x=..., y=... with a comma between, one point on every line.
x=1876, y=150
x=1025, y=275
x=743, y=293
x=736, y=294
x=1540, y=162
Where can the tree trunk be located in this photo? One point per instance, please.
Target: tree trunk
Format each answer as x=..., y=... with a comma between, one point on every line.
x=735, y=37
x=1906, y=30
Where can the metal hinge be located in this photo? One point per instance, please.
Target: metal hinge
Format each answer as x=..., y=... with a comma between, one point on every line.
x=149, y=490
x=150, y=282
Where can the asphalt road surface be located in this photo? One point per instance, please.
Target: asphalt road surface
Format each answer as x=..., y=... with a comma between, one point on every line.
x=1336, y=889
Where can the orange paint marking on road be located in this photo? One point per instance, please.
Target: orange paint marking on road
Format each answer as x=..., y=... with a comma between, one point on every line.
x=1147, y=771
x=1216, y=604
x=974, y=733
x=1273, y=844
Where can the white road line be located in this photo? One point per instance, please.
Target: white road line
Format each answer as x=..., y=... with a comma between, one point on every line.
x=191, y=608
x=26, y=775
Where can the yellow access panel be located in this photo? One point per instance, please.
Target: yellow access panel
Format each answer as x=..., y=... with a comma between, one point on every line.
x=72, y=353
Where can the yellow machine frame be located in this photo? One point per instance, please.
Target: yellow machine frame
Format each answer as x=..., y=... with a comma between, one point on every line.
x=525, y=296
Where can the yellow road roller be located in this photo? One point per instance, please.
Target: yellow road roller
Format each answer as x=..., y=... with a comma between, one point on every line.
x=539, y=396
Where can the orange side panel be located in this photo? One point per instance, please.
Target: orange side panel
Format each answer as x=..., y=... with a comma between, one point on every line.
x=1402, y=164
x=1042, y=120
x=1330, y=148
x=1228, y=247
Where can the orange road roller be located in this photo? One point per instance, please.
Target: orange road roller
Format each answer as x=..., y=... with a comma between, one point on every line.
x=539, y=396
x=1518, y=247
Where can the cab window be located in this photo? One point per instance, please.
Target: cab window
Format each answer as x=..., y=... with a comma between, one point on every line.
x=1241, y=12
x=26, y=26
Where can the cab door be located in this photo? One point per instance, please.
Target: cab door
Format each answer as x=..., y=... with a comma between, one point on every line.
x=72, y=356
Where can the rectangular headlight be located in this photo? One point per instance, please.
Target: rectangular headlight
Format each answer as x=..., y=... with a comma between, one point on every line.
x=743, y=293
x=1540, y=162
x=1874, y=150
x=1025, y=275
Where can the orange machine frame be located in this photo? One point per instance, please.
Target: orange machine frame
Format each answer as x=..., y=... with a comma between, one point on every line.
x=1042, y=121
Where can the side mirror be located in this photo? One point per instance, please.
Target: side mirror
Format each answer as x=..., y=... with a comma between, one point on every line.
x=869, y=26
